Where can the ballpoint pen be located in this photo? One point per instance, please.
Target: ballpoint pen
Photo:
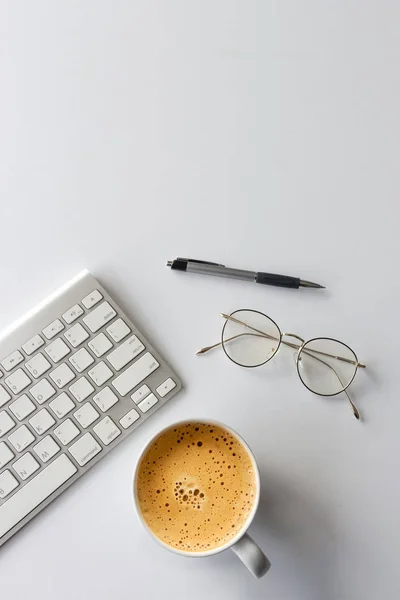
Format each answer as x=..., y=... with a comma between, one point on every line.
x=209, y=268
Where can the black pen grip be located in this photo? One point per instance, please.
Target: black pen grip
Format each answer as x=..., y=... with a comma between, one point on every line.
x=179, y=264
x=278, y=280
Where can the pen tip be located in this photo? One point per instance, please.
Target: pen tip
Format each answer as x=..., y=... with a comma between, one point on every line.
x=311, y=284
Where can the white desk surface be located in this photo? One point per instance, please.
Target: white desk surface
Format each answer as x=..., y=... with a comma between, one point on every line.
x=262, y=135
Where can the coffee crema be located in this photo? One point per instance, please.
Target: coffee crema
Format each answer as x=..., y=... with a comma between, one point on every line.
x=196, y=486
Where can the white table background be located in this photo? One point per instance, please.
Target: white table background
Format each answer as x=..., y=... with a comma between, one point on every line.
x=262, y=135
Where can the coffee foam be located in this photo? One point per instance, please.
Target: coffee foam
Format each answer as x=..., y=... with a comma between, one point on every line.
x=196, y=486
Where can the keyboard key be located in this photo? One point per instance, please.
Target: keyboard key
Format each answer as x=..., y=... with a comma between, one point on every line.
x=86, y=415
x=42, y=391
x=8, y=483
x=35, y=492
x=140, y=394
x=130, y=378
x=147, y=403
x=22, y=407
x=125, y=353
x=4, y=396
x=53, y=329
x=118, y=330
x=18, y=381
x=21, y=438
x=100, y=373
x=42, y=421
x=5, y=454
x=57, y=350
x=105, y=399
x=166, y=387
x=25, y=466
x=46, y=449
x=99, y=317
x=128, y=419
x=12, y=361
x=92, y=299
x=66, y=432
x=85, y=449
x=100, y=345
x=81, y=389
x=61, y=405
x=62, y=375
x=107, y=430
x=76, y=335
x=38, y=365
x=81, y=360
x=72, y=314
x=32, y=345
x=6, y=423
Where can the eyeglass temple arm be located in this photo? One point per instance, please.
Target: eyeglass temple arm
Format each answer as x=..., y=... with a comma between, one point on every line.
x=270, y=337
x=353, y=406
x=290, y=344
x=263, y=335
x=234, y=337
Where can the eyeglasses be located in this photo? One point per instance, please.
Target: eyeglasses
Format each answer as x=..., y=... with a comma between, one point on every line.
x=325, y=366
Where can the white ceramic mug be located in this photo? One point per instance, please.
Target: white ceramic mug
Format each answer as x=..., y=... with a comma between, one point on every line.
x=242, y=544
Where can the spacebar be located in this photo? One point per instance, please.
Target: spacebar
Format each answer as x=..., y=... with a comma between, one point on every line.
x=35, y=492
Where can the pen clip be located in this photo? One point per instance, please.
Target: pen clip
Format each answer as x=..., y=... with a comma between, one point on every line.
x=201, y=262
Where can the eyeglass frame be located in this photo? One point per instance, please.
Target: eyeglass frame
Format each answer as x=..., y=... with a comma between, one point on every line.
x=299, y=348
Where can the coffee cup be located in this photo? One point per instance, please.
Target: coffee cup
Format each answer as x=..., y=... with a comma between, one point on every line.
x=196, y=489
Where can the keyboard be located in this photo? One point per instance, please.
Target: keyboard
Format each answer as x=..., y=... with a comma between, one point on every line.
x=76, y=378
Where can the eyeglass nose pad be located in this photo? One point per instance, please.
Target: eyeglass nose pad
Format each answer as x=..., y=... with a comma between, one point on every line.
x=297, y=358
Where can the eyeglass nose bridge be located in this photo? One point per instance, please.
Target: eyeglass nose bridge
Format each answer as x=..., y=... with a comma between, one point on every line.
x=297, y=347
x=294, y=336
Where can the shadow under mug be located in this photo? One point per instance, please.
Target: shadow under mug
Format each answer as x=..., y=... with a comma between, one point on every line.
x=241, y=544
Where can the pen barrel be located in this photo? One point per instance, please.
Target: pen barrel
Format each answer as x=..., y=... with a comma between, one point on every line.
x=278, y=280
x=218, y=271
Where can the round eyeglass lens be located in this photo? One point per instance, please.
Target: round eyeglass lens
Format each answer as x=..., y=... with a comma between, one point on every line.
x=250, y=338
x=326, y=366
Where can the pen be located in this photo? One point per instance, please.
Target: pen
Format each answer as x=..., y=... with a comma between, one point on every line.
x=209, y=268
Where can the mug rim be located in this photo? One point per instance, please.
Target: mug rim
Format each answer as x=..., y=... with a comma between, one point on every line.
x=250, y=517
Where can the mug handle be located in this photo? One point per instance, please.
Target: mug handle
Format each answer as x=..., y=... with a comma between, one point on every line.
x=251, y=555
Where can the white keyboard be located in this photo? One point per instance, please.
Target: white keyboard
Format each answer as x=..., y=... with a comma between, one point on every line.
x=76, y=377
